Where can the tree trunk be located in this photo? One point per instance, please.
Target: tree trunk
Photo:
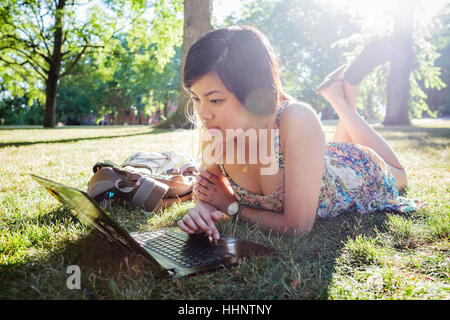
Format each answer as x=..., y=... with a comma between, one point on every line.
x=55, y=67
x=197, y=21
x=398, y=96
x=166, y=106
x=50, y=102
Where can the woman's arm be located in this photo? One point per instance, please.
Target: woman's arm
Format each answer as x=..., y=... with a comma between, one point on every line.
x=303, y=144
x=212, y=187
x=268, y=219
x=211, y=197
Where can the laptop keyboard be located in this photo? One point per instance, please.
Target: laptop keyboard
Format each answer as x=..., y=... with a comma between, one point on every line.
x=175, y=247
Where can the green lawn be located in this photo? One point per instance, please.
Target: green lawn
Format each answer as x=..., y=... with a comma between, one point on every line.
x=375, y=256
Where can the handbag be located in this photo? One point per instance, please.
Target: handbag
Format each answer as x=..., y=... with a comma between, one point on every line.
x=143, y=179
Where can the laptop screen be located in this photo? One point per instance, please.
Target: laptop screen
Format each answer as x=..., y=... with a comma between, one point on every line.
x=88, y=212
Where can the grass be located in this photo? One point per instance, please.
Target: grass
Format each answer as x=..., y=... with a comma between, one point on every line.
x=375, y=256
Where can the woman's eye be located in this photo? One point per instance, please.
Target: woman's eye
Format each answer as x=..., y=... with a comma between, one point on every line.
x=216, y=101
x=195, y=99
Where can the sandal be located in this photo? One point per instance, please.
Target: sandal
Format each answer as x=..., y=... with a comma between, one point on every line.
x=329, y=79
x=374, y=54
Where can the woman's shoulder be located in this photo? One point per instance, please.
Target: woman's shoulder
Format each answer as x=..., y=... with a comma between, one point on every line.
x=300, y=130
x=297, y=113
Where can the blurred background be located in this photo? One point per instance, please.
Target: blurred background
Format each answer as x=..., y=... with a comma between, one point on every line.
x=118, y=62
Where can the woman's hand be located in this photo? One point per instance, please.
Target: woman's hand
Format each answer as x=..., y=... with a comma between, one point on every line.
x=201, y=218
x=211, y=189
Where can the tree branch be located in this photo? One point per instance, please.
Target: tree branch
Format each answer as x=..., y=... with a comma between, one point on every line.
x=75, y=61
x=31, y=59
x=41, y=27
x=22, y=65
x=28, y=44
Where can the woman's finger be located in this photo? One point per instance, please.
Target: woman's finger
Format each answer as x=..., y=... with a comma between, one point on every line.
x=199, y=218
x=200, y=196
x=204, y=182
x=208, y=176
x=216, y=215
x=184, y=227
x=211, y=224
x=189, y=222
x=204, y=191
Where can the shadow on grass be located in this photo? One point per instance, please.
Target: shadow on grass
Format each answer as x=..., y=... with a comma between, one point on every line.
x=418, y=137
x=45, y=277
x=303, y=269
x=318, y=253
x=26, y=143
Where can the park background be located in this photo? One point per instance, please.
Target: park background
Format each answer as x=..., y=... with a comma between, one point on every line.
x=65, y=71
x=119, y=62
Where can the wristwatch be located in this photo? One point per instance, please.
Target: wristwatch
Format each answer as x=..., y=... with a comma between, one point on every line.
x=233, y=208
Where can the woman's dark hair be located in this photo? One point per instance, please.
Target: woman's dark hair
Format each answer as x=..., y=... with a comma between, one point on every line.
x=244, y=60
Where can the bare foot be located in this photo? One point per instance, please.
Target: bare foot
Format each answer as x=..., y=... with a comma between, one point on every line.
x=343, y=89
x=334, y=91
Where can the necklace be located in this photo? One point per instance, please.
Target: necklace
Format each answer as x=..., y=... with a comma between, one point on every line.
x=244, y=168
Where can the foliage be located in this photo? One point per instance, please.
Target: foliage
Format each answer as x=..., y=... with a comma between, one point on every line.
x=80, y=93
x=312, y=40
x=27, y=48
x=424, y=73
x=20, y=111
x=149, y=31
x=302, y=33
x=121, y=54
x=138, y=71
x=439, y=101
x=132, y=85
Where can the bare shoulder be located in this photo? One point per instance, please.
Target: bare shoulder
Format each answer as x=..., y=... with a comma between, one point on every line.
x=300, y=118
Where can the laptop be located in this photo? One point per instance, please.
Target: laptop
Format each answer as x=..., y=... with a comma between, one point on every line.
x=179, y=253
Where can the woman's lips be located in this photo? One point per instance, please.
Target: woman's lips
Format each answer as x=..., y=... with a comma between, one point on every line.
x=213, y=131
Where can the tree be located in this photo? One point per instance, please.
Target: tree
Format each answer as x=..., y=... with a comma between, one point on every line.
x=302, y=33
x=80, y=93
x=197, y=21
x=398, y=96
x=439, y=100
x=41, y=41
x=312, y=39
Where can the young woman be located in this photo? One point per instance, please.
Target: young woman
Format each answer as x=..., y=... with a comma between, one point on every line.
x=233, y=77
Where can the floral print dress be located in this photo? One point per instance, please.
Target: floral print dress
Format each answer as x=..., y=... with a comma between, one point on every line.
x=355, y=179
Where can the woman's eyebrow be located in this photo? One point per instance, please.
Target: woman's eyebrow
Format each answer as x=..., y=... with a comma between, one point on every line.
x=211, y=92
x=206, y=94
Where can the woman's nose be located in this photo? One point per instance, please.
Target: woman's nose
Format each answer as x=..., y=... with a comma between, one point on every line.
x=204, y=113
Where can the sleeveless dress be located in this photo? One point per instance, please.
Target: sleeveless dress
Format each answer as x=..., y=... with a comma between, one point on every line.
x=355, y=179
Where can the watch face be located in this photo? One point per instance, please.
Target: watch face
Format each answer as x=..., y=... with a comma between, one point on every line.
x=233, y=208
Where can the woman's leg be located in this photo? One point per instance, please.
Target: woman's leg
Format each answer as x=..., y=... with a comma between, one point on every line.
x=341, y=134
x=358, y=129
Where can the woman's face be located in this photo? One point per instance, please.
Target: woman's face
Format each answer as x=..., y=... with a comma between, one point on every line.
x=220, y=110
x=216, y=106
